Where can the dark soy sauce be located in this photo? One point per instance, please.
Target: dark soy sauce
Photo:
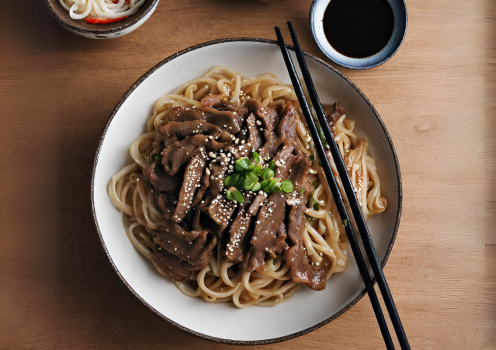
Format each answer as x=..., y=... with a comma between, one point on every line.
x=358, y=28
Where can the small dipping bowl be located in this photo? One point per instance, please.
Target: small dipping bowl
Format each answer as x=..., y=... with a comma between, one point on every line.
x=317, y=11
x=101, y=31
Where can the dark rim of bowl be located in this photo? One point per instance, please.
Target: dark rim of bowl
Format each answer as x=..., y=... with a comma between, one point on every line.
x=312, y=20
x=156, y=312
x=72, y=26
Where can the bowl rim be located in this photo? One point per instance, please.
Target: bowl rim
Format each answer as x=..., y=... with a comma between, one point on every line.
x=156, y=312
x=314, y=35
x=67, y=24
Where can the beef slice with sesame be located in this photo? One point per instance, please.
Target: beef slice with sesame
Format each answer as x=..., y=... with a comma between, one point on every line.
x=191, y=182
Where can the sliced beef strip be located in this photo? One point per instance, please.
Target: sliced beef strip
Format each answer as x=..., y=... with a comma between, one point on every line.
x=205, y=181
x=160, y=180
x=220, y=211
x=266, y=236
x=239, y=150
x=283, y=157
x=237, y=233
x=221, y=102
x=270, y=120
x=301, y=270
x=255, y=135
x=192, y=178
x=175, y=131
x=256, y=204
x=172, y=228
x=227, y=120
x=166, y=202
x=287, y=125
x=196, y=252
x=216, y=184
x=338, y=110
x=180, y=152
x=171, y=265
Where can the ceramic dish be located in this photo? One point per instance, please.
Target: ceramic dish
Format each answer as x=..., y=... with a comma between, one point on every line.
x=317, y=11
x=101, y=31
x=307, y=309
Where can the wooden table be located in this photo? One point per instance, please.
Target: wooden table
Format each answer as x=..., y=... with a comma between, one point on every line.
x=437, y=97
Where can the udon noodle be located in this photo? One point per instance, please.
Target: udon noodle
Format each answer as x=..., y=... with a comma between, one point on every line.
x=324, y=236
x=104, y=9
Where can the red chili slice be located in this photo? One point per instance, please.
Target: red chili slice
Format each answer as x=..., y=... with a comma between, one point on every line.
x=104, y=20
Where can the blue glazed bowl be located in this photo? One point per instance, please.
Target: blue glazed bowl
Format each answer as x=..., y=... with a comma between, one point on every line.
x=317, y=11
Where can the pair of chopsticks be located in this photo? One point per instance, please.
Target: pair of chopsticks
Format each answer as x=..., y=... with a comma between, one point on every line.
x=348, y=188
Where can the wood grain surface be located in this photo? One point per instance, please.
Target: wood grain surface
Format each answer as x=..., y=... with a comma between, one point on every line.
x=437, y=97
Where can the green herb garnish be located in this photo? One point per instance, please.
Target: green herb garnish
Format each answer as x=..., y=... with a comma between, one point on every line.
x=243, y=164
x=258, y=170
x=315, y=184
x=230, y=195
x=157, y=157
x=277, y=188
x=270, y=186
x=267, y=174
x=272, y=165
x=316, y=206
x=287, y=186
x=239, y=197
x=256, y=157
x=257, y=187
x=312, y=158
x=345, y=223
x=250, y=180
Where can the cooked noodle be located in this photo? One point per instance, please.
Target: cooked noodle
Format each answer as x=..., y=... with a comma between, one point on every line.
x=324, y=236
x=80, y=9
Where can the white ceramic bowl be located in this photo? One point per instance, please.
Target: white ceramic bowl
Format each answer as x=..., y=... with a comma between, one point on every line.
x=307, y=309
x=101, y=31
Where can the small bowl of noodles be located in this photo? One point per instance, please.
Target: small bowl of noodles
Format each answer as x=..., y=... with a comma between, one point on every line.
x=101, y=19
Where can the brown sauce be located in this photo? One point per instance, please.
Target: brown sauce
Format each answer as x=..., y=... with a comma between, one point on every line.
x=358, y=28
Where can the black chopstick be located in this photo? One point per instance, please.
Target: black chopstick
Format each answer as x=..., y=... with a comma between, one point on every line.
x=348, y=187
x=335, y=192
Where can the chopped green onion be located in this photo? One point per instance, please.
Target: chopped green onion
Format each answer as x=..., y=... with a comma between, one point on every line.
x=157, y=157
x=315, y=184
x=267, y=174
x=312, y=158
x=277, y=188
x=236, y=179
x=322, y=135
x=309, y=218
x=316, y=206
x=287, y=186
x=265, y=183
x=230, y=195
x=256, y=157
x=270, y=186
x=227, y=180
x=272, y=165
x=258, y=170
x=239, y=197
x=250, y=180
x=243, y=164
x=257, y=187
x=345, y=223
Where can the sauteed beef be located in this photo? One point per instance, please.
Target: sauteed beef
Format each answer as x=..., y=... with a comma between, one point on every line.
x=195, y=184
